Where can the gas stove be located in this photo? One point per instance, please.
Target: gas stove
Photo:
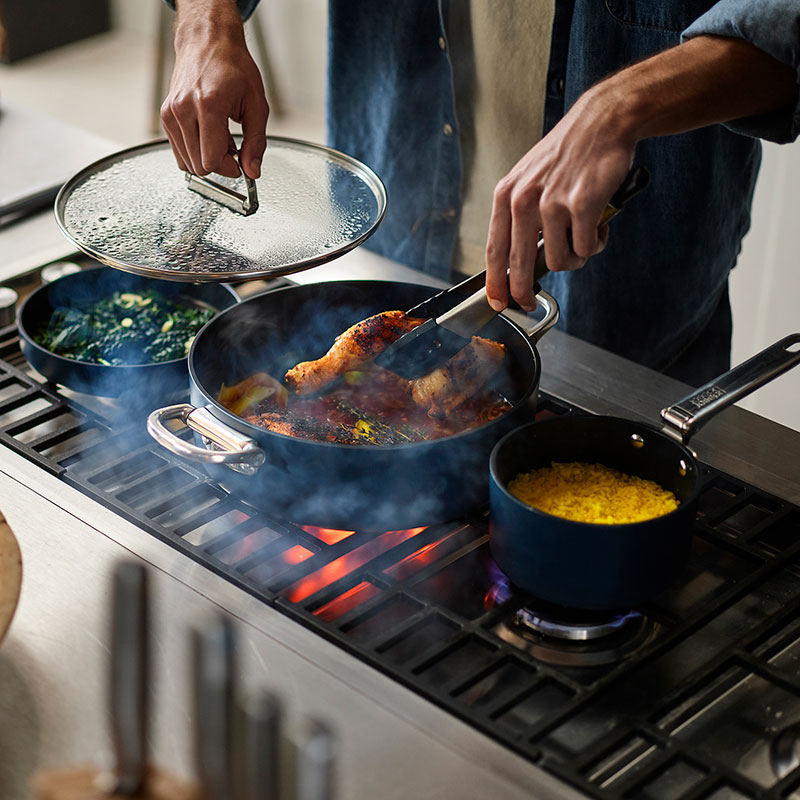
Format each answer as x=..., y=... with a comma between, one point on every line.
x=696, y=695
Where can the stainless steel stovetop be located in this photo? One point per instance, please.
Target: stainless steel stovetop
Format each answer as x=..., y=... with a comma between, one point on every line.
x=696, y=695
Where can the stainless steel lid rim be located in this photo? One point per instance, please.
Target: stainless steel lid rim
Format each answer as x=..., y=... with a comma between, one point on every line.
x=133, y=211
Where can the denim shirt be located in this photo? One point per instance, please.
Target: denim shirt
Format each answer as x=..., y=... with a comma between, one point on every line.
x=390, y=103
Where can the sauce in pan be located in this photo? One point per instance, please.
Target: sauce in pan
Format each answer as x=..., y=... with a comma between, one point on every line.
x=370, y=406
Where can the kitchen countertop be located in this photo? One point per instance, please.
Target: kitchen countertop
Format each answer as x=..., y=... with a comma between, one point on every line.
x=392, y=742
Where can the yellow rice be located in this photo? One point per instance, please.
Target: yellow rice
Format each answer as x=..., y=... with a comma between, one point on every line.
x=592, y=493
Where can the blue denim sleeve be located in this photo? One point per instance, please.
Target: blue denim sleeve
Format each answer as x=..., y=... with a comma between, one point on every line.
x=246, y=7
x=772, y=26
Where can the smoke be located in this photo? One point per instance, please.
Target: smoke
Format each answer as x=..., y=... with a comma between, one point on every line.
x=317, y=483
x=342, y=486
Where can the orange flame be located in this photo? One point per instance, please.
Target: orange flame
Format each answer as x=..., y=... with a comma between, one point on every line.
x=344, y=565
x=424, y=556
x=327, y=535
x=410, y=564
x=296, y=554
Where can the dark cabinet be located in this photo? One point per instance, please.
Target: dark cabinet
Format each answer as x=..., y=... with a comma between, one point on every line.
x=28, y=27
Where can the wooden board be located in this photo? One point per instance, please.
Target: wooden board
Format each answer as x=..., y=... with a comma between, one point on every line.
x=88, y=783
x=10, y=575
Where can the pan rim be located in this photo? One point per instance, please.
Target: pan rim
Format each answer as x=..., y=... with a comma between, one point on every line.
x=27, y=335
x=596, y=526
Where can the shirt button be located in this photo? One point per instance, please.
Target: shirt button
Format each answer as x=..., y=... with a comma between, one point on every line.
x=442, y=43
x=557, y=87
x=447, y=129
x=449, y=214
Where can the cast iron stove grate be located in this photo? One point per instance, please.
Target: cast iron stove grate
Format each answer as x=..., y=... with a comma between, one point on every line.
x=704, y=704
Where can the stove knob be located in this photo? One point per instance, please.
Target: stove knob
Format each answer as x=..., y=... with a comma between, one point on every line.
x=8, y=306
x=58, y=269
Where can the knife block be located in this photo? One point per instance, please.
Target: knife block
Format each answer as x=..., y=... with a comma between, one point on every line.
x=89, y=783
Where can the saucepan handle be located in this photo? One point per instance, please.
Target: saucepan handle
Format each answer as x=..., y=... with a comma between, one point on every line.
x=228, y=446
x=685, y=417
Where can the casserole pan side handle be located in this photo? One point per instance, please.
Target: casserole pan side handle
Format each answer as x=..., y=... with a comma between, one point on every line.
x=551, y=314
x=228, y=446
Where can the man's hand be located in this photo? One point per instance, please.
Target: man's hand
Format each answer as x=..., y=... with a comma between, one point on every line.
x=215, y=80
x=561, y=187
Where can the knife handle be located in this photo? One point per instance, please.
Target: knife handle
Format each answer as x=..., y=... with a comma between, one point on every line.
x=315, y=777
x=129, y=676
x=635, y=181
x=261, y=756
x=214, y=666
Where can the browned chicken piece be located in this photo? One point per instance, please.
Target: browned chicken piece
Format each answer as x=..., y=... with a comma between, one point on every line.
x=357, y=345
x=468, y=371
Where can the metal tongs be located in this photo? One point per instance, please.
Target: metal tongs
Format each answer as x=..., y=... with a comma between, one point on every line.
x=454, y=315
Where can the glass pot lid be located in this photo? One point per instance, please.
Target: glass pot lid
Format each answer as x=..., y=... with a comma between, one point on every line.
x=136, y=211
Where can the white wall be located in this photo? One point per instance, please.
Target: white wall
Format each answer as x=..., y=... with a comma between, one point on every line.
x=765, y=285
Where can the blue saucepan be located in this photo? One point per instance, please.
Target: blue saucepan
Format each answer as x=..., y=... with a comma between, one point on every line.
x=595, y=566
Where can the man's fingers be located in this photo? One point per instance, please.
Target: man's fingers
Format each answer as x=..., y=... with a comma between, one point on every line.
x=557, y=239
x=498, y=245
x=173, y=131
x=251, y=155
x=524, y=238
x=602, y=239
x=585, y=236
x=214, y=142
x=190, y=133
x=254, y=137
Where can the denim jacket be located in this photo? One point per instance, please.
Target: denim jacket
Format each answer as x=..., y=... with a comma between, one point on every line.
x=390, y=103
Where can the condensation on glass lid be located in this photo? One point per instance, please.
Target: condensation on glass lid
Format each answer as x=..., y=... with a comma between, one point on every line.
x=137, y=212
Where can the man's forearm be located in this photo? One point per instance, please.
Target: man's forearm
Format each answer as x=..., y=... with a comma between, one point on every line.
x=707, y=80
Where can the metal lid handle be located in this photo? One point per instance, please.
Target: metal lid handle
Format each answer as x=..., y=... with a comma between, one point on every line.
x=230, y=198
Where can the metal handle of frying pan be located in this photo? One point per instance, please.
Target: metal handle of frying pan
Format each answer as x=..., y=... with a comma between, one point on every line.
x=551, y=315
x=228, y=446
x=236, y=201
x=685, y=417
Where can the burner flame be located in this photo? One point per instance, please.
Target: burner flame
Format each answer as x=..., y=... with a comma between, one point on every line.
x=500, y=590
x=339, y=568
x=327, y=535
x=572, y=624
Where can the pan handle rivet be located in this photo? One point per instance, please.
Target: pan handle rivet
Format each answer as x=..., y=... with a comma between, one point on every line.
x=637, y=441
x=683, y=468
